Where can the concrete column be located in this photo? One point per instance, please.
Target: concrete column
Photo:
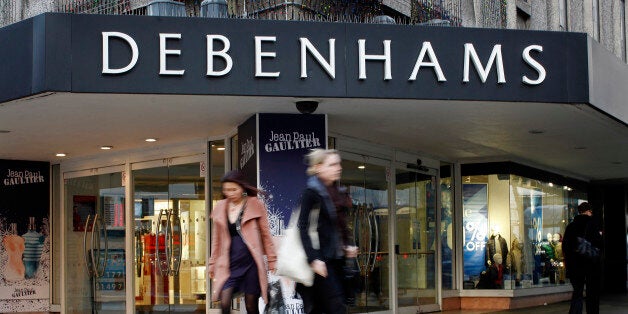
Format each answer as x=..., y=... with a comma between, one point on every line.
x=607, y=27
x=576, y=12
x=539, y=14
x=31, y=8
x=511, y=14
x=553, y=15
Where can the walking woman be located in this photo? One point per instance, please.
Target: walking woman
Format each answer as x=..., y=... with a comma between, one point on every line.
x=240, y=239
x=327, y=246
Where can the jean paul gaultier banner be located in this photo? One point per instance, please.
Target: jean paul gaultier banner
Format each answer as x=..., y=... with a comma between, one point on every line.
x=271, y=148
x=24, y=229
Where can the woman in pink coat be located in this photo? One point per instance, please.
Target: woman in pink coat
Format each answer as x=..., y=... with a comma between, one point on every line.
x=240, y=239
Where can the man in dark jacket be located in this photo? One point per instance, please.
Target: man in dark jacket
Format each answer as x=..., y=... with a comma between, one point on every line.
x=583, y=270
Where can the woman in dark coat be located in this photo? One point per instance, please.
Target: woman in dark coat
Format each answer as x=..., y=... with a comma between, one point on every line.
x=328, y=246
x=582, y=270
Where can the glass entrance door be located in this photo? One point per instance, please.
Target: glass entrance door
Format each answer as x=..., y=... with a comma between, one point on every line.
x=415, y=205
x=368, y=220
x=94, y=241
x=170, y=236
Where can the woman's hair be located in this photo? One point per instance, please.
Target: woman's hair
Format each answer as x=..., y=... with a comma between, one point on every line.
x=316, y=157
x=237, y=177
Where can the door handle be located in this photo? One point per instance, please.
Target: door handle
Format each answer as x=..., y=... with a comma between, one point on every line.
x=98, y=268
x=88, y=263
x=163, y=265
x=376, y=229
x=176, y=248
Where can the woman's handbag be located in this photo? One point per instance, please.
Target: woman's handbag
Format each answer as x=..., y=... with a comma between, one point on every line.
x=275, y=304
x=291, y=258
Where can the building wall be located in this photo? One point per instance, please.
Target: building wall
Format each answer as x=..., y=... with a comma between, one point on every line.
x=540, y=14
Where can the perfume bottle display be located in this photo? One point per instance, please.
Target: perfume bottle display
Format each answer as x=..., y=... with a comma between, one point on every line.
x=14, y=245
x=34, y=244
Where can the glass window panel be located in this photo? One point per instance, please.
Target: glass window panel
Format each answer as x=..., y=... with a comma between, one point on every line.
x=416, y=216
x=368, y=220
x=95, y=248
x=530, y=216
x=447, y=227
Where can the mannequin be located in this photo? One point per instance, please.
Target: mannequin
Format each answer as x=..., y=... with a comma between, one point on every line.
x=499, y=279
x=557, y=240
x=547, y=259
x=516, y=260
x=495, y=244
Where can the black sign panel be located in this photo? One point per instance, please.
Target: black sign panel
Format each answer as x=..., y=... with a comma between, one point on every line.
x=168, y=55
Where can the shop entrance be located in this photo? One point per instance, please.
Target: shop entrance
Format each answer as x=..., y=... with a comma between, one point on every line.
x=381, y=192
x=170, y=238
x=94, y=240
x=415, y=204
x=368, y=221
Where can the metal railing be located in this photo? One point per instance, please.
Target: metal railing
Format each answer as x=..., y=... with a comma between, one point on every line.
x=424, y=12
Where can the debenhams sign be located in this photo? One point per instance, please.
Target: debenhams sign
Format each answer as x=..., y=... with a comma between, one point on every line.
x=312, y=59
x=325, y=57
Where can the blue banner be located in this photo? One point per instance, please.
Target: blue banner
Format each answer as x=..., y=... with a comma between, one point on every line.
x=475, y=218
x=284, y=140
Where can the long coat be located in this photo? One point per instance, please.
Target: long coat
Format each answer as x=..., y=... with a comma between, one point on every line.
x=255, y=233
x=581, y=226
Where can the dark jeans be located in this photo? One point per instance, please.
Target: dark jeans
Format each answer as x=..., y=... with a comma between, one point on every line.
x=326, y=295
x=591, y=279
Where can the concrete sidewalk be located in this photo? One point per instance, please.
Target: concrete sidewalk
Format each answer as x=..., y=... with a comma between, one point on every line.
x=609, y=304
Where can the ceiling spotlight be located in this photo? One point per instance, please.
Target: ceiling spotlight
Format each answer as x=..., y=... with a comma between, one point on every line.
x=60, y=155
x=220, y=148
x=151, y=140
x=361, y=167
x=107, y=147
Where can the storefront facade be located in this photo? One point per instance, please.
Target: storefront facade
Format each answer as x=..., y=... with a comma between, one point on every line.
x=440, y=124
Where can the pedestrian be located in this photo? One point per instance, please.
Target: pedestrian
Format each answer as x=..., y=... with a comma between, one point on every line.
x=329, y=246
x=240, y=239
x=582, y=270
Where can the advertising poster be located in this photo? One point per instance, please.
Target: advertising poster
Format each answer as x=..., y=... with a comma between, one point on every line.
x=284, y=140
x=24, y=229
x=475, y=221
x=533, y=223
x=82, y=207
x=278, y=143
x=247, y=149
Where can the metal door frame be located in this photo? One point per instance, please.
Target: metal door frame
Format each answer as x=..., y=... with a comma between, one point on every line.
x=69, y=173
x=148, y=164
x=391, y=167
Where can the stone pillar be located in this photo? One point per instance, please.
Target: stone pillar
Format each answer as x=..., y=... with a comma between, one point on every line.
x=539, y=14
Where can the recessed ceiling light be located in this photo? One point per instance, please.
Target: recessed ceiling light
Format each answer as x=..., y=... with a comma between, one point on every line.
x=5, y=131
x=220, y=148
x=536, y=131
x=106, y=147
x=60, y=155
x=151, y=140
x=361, y=167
